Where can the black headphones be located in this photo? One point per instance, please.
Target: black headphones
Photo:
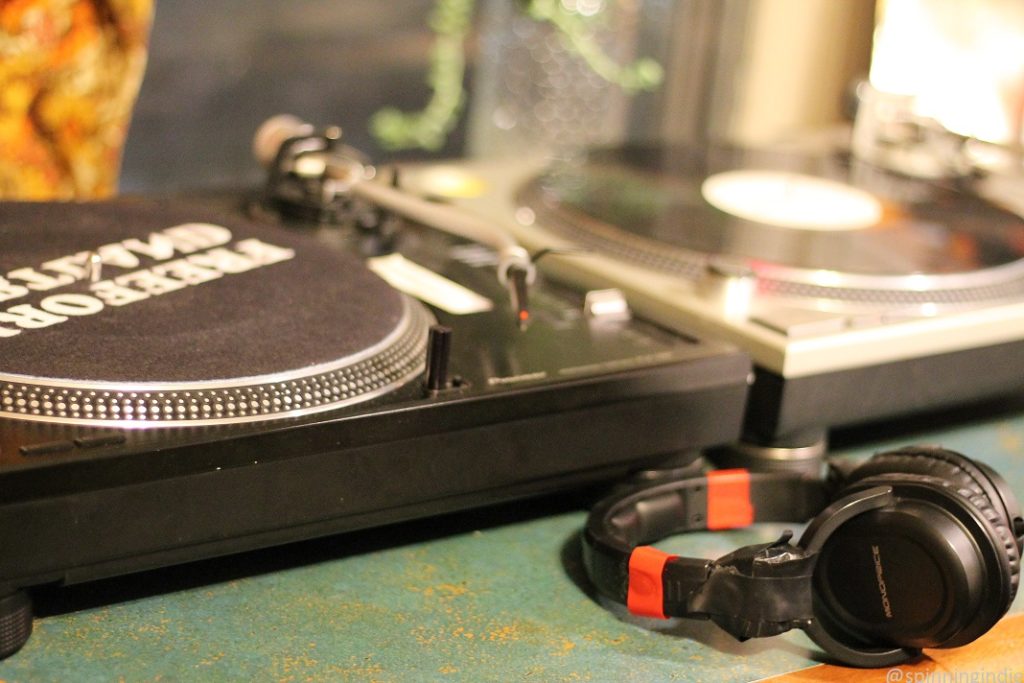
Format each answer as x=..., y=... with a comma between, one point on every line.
x=917, y=547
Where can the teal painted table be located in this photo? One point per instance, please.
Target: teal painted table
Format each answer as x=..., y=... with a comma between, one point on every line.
x=494, y=595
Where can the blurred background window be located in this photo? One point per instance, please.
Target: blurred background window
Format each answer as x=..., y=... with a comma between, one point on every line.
x=746, y=71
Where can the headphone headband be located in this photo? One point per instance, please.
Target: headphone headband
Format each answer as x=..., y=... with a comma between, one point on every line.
x=756, y=591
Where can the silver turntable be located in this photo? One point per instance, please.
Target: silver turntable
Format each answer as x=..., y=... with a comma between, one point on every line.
x=859, y=292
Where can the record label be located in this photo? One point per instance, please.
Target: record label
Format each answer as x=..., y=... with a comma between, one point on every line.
x=791, y=200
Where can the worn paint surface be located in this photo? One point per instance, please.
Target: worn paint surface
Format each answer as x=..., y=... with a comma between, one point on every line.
x=485, y=596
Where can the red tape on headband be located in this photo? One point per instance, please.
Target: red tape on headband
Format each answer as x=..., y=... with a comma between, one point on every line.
x=646, y=595
x=729, y=504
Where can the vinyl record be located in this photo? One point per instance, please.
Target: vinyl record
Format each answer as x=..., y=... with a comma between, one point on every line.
x=806, y=224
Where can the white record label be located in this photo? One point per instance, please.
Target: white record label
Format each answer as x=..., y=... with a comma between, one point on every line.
x=791, y=200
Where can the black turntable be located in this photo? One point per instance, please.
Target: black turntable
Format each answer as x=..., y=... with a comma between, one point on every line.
x=182, y=380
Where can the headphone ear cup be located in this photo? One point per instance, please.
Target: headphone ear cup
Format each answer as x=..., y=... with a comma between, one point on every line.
x=935, y=566
x=964, y=476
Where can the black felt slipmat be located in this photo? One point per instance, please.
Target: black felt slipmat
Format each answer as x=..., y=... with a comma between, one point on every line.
x=317, y=307
x=273, y=323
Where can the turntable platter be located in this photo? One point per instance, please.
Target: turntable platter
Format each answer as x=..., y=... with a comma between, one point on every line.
x=788, y=217
x=194, y=316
